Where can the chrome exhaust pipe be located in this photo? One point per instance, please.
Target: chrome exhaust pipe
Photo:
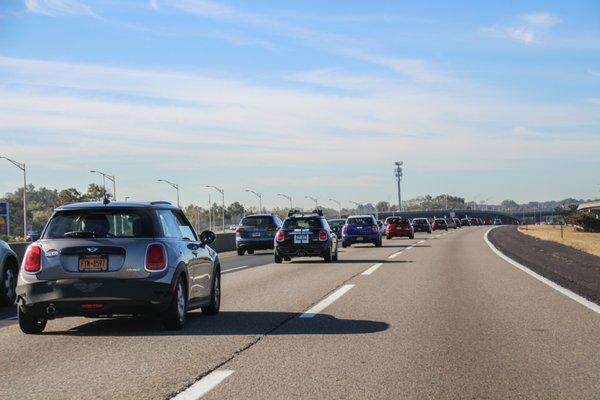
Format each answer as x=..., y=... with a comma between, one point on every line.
x=50, y=310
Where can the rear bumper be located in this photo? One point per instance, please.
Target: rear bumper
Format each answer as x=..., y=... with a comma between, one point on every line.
x=399, y=234
x=254, y=244
x=423, y=229
x=312, y=250
x=116, y=296
x=356, y=239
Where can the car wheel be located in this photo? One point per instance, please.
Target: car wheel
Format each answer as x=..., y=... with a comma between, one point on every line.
x=30, y=324
x=174, y=317
x=327, y=257
x=278, y=259
x=344, y=245
x=287, y=259
x=411, y=236
x=215, y=296
x=240, y=252
x=335, y=255
x=250, y=251
x=388, y=237
x=8, y=284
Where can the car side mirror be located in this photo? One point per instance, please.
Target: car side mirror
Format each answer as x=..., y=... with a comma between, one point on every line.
x=207, y=237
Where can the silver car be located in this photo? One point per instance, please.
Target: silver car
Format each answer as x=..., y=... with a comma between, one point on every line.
x=106, y=259
x=9, y=268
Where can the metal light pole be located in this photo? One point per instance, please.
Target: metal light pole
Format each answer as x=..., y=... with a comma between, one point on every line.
x=287, y=197
x=22, y=167
x=259, y=195
x=222, y=191
x=398, y=173
x=358, y=205
x=313, y=199
x=175, y=186
x=339, y=206
x=111, y=178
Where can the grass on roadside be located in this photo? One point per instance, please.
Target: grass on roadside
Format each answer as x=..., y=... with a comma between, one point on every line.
x=584, y=241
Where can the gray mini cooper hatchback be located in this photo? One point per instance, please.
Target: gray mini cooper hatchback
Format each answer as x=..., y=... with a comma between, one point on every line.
x=103, y=259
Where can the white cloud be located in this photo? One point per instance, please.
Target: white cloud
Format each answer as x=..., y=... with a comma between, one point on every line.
x=59, y=7
x=526, y=28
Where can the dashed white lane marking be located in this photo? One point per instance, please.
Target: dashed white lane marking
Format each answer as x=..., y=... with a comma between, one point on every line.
x=437, y=236
x=573, y=296
x=203, y=386
x=422, y=241
x=395, y=255
x=409, y=247
x=235, y=269
x=372, y=269
x=326, y=302
x=9, y=319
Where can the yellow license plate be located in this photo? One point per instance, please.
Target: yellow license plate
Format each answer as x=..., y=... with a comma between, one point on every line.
x=93, y=264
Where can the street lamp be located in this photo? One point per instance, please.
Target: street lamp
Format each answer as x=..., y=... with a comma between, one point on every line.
x=173, y=185
x=398, y=173
x=356, y=204
x=339, y=206
x=259, y=195
x=21, y=166
x=313, y=199
x=287, y=197
x=222, y=191
x=104, y=178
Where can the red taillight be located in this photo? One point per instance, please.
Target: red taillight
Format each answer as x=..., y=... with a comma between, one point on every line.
x=91, y=306
x=374, y=228
x=322, y=236
x=156, y=259
x=240, y=229
x=279, y=236
x=344, y=229
x=33, y=258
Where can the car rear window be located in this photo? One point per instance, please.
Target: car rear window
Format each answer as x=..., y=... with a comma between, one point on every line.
x=361, y=221
x=257, y=221
x=336, y=222
x=302, y=223
x=420, y=221
x=99, y=224
x=398, y=221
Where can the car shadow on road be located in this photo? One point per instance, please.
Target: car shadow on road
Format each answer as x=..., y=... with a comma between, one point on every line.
x=228, y=323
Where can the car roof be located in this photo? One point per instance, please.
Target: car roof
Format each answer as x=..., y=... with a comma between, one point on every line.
x=258, y=215
x=361, y=216
x=117, y=204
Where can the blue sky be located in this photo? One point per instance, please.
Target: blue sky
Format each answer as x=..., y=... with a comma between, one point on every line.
x=485, y=100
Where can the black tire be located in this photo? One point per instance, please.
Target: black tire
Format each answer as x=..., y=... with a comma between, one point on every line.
x=344, y=245
x=8, y=283
x=335, y=255
x=446, y=229
x=30, y=324
x=429, y=232
x=215, y=296
x=278, y=259
x=250, y=251
x=411, y=236
x=287, y=259
x=174, y=316
x=327, y=258
x=241, y=252
x=378, y=243
x=388, y=237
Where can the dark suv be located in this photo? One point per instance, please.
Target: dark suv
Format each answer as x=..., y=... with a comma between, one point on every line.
x=106, y=259
x=256, y=232
x=305, y=235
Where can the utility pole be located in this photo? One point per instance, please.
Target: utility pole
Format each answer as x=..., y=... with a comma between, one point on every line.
x=110, y=178
x=287, y=197
x=222, y=191
x=22, y=167
x=398, y=173
x=339, y=206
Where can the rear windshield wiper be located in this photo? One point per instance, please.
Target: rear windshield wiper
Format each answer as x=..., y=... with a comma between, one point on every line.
x=81, y=234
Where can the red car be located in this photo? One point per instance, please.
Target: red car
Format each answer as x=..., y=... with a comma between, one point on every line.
x=439, y=223
x=399, y=227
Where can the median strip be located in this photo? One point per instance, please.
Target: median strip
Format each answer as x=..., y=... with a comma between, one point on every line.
x=372, y=269
x=326, y=302
x=203, y=386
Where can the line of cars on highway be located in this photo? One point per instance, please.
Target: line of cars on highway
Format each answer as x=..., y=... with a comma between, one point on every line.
x=104, y=259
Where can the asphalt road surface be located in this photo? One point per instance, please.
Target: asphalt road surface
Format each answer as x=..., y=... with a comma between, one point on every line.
x=445, y=317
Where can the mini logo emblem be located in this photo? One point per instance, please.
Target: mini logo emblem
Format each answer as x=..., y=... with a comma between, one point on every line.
x=87, y=287
x=92, y=249
x=51, y=253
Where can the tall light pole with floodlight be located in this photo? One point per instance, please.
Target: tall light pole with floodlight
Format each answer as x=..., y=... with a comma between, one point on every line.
x=259, y=195
x=111, y=178
x=339, y=204
x=22, y=167
x=289, y=198
x=398, y=173
x=222, y=191
x=173, y=185
x=313, y=199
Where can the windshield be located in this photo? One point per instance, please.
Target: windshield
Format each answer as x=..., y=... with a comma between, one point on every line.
x=257, y=221
x=99, y=224
x=334, y=223
x=302, y=223
x=360, y=221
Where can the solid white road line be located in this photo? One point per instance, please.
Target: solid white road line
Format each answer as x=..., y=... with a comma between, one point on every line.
x=203, y=386
x=372, y=269
x=236, y=268
x=395, y=254
x=326, y=302
x=573, y=296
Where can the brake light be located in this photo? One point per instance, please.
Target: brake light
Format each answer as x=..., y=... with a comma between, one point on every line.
x=240, y=229
x=91, y=306
x=33, y=258
x=374, y=228
x=322, y=235
x=279, y=236
x=156, y=259
x=344, y=229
